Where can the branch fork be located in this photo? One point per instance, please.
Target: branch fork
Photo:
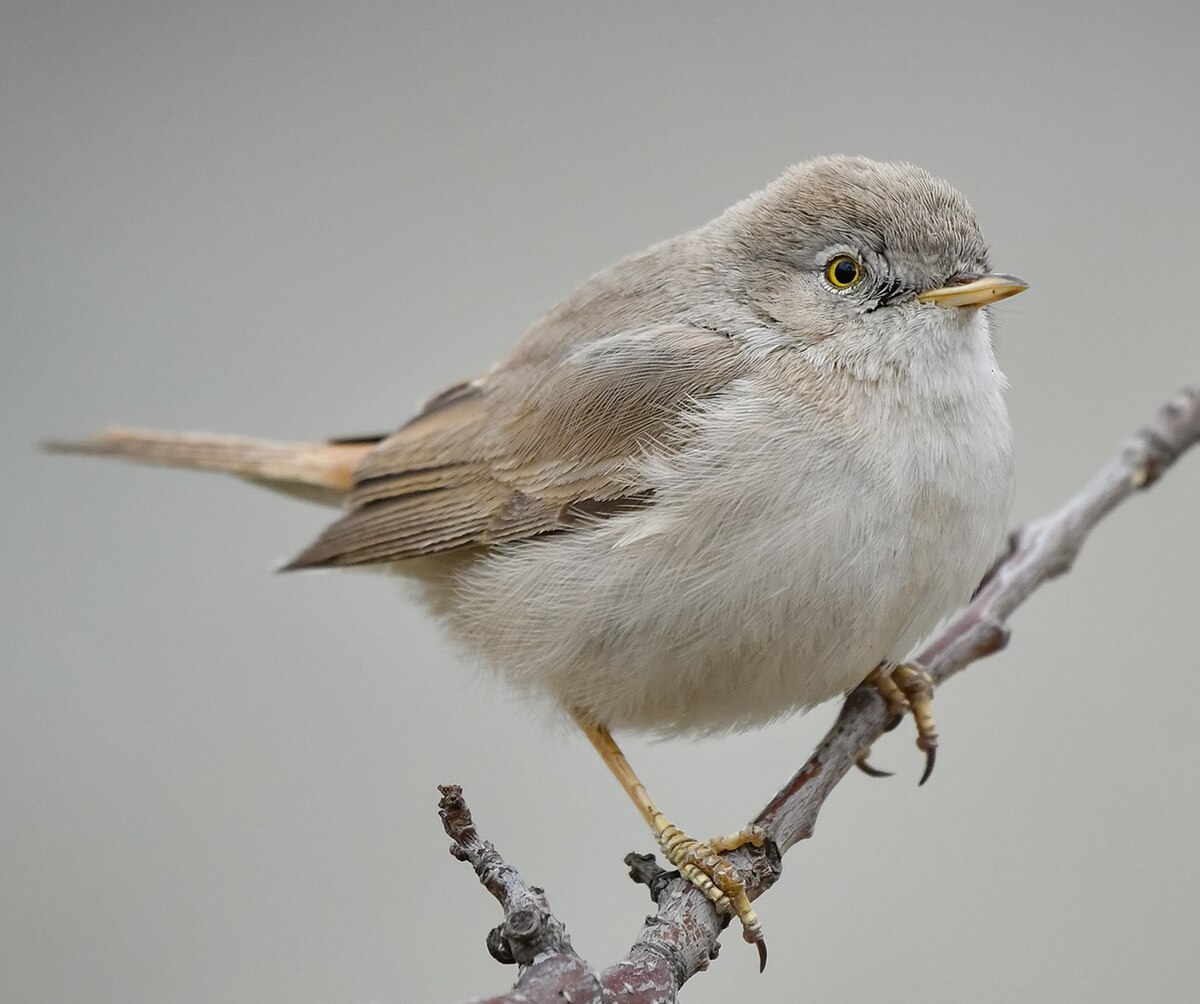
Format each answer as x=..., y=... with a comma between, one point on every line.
x=680, y=939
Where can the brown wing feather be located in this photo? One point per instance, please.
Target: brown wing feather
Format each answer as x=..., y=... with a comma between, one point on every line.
x=529, y=448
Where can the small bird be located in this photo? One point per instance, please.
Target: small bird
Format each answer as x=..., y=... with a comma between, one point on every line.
x=726, y=479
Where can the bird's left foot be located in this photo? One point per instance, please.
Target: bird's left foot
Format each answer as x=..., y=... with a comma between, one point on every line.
x=907, y=687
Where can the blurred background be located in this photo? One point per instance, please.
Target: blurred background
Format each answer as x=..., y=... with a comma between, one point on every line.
x=298, y=220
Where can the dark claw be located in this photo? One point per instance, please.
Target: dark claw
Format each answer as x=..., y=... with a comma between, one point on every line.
x=930, y=760
x=866, y=768
x=762, y=955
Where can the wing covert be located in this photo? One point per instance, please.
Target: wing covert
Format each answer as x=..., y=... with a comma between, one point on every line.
x=528, y=448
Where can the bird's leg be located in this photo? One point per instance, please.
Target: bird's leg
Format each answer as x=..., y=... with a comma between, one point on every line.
x=698, y=861
x=881, y=679
x=906, y=687
x=918, y=689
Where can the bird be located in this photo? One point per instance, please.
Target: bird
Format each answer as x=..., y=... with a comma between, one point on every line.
x=729, y=478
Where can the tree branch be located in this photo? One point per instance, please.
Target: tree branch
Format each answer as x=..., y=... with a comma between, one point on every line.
x=681, y=938
x=530, y=935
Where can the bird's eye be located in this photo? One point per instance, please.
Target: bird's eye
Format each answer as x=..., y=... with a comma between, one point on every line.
x=844, y=271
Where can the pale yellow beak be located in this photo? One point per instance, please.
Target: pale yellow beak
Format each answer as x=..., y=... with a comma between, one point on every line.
x=977, y=293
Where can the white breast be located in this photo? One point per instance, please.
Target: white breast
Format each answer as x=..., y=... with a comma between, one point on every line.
x=790, y=549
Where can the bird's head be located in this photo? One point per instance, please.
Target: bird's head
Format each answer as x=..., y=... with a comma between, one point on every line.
x=872, y=255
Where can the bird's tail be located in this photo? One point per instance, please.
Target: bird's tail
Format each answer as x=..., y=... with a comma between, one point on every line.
x=319, y=472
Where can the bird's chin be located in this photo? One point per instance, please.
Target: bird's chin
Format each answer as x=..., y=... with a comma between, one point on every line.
x=915, y=324
x=912, y=346
x=941, y=330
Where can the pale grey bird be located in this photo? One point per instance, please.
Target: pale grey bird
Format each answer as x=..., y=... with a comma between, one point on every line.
x=728, y=478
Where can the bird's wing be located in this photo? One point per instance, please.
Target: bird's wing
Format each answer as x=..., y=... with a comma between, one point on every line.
x=530, y=447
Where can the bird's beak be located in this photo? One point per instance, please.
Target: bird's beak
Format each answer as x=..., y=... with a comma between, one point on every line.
x=975, y=292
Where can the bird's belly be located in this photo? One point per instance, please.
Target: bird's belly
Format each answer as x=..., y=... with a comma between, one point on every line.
x=709, y=613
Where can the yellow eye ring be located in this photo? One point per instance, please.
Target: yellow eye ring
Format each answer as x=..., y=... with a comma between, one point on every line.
x=843, y=271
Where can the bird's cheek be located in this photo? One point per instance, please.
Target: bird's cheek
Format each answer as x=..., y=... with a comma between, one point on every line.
x=802, y=316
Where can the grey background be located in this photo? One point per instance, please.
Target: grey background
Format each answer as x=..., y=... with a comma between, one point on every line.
x=296, y=220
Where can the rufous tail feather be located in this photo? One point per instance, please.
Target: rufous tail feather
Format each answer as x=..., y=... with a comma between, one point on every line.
x=318, y=472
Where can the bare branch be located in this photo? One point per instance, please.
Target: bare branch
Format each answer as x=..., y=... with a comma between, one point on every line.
x=530, y=935
x=681, y=938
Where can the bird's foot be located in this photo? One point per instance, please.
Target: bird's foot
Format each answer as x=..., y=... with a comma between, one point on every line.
x=907, y=687
x=701, y=863
x=698, y=861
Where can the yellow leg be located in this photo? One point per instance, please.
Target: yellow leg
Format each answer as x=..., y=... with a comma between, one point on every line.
x=698, y=861
x=918, y=689
x=882, y=680
x=907, y=687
